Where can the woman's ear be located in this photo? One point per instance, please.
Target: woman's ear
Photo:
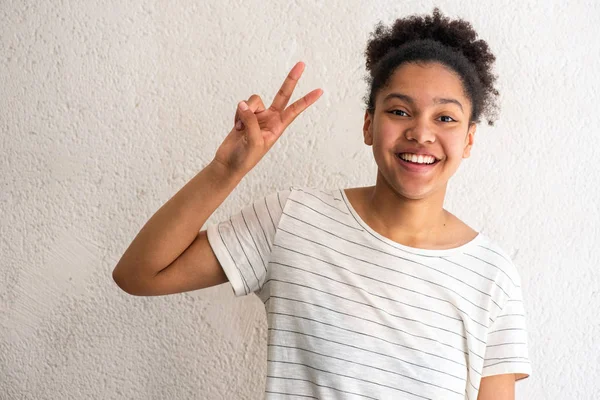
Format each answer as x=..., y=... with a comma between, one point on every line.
x=469, y=140
x=367, y=128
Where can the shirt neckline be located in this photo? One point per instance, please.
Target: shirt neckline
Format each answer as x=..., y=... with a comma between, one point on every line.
x=414, y=250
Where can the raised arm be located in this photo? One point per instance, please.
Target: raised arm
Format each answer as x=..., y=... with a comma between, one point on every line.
x=169, y=254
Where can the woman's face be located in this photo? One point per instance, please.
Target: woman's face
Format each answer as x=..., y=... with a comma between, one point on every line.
x=423, y=108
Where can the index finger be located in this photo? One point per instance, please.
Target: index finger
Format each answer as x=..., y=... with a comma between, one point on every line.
x=299, y=105
x=285, y=92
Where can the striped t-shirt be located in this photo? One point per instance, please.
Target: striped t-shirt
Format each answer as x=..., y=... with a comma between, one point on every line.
x=354, y=315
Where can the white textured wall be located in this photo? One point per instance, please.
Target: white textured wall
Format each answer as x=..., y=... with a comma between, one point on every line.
x=108, y=108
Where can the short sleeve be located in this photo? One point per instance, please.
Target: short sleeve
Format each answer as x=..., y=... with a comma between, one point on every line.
x=507, y=348
x=243, y=242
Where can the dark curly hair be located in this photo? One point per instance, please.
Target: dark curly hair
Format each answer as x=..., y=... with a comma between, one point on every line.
x=434, y=39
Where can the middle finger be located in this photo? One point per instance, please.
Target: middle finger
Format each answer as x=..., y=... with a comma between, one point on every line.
x=283, y=95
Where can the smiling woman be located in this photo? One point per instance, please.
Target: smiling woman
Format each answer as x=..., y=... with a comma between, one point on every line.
x=371, y=292
x=425, y=104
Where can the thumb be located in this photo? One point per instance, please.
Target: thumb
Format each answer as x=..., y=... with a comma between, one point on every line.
x=250, y=123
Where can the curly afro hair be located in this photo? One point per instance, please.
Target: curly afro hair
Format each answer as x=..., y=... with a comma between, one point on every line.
x=435, y=38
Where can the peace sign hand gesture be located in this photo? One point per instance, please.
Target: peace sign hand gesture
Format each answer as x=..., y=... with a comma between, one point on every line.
x=257, y=128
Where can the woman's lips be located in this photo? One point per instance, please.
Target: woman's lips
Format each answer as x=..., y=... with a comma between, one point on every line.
x=414, y=167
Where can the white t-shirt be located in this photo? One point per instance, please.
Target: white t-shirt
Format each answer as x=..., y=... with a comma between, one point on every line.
x=354, y=315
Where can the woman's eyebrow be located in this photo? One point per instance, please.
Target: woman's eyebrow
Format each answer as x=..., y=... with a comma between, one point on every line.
x=410, y=100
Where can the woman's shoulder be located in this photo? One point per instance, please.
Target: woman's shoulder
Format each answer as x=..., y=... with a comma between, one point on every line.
x=321, y=193
x=480, y=247
x=492, y=254
x=314, y=199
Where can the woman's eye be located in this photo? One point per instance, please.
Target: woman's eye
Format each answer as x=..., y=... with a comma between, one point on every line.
x=445, y=116
x=402, y=113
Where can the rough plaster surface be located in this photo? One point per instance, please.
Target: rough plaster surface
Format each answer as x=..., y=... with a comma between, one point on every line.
x=108, y=108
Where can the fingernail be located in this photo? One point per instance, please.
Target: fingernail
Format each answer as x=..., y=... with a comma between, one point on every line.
x=238, y=125
x=243, y=106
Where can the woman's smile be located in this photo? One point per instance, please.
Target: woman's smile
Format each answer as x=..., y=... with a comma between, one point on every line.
x=416, y=167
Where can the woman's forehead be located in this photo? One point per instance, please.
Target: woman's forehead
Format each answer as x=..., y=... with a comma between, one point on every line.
x=425, y=84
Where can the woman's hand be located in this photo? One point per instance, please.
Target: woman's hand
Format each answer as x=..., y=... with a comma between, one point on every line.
x=257, y=128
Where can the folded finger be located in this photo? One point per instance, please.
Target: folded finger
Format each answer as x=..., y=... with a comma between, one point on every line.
x=250, y=122
x=255, y=104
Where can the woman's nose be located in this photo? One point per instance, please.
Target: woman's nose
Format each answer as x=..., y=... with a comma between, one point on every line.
x=421, y=131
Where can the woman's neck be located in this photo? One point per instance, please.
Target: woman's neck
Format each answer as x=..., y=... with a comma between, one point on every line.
x=416, y=223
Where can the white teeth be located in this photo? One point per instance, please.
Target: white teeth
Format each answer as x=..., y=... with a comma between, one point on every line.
x=420, y=159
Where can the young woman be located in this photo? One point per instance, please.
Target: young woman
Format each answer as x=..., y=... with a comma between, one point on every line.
x=370, y=292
